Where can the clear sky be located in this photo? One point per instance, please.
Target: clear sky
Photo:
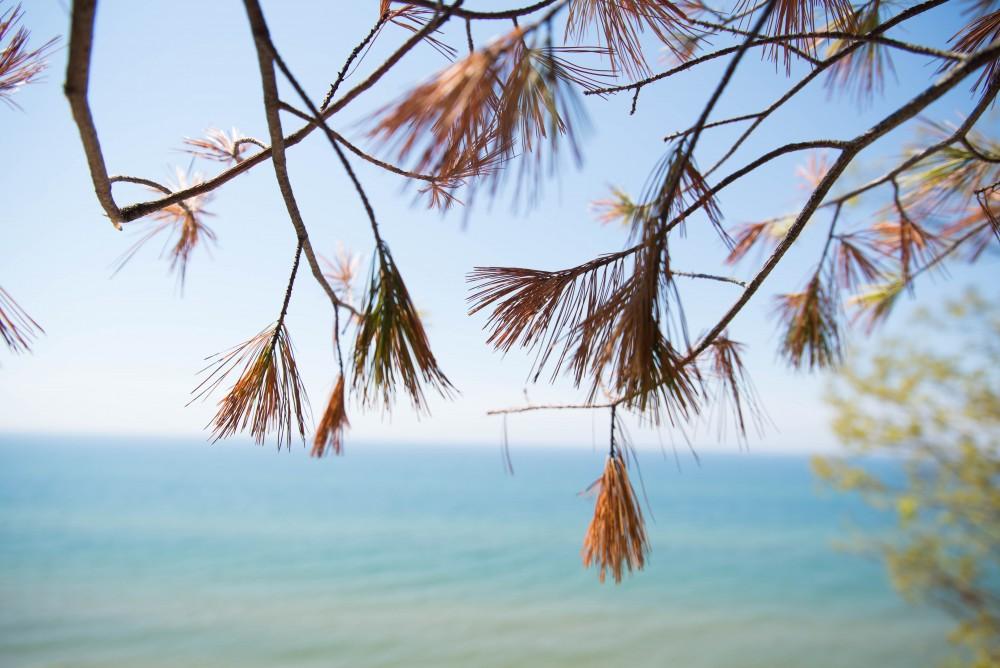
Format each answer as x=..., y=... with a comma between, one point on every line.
x=121, y=354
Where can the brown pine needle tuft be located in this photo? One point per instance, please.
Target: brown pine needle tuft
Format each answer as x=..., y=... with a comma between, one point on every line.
x=414, y=19
x=448, y=120
x=694, y=189
x=221, y=146
x=504, y=100
x=852, y=265
x=18, y=66
x=330, y=432
x=619, y=208
x=791, y=17
x=184, y=227
x=748, y=235
x=864, y=68
x=601, y=323
x=616, y=538
x=268, y=396
x=17, y=329
x=812, y=333
x=342, y=273
x=978, y=226
x=737, y=393
x=620, y=24
x=913, y=244
x=979, y=32
x=675, y=186
x=812, y=172
x=539, y=107
x=625, y=340
x=391, y=346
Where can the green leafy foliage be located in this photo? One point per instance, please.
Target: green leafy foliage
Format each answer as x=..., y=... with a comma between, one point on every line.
x=938, y=415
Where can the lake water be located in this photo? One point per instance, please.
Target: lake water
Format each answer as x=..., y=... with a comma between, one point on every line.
x=156, y=553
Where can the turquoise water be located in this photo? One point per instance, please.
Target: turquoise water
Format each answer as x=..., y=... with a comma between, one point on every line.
x=185, y=554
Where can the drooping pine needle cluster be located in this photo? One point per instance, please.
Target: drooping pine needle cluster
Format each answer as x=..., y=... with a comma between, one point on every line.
x=616, y=538
x=391, y=346
x=619, y=24
x=268, y=396
x=812, y=337
x=509, y=99
x=330, y=430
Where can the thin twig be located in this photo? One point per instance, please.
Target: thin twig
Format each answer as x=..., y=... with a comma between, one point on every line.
x=710, y=277
x=288, y=297
x=777, y=39
x=713, y=124
x=270, y=89
x=830, y=234
x=547, y=407
x=149, y=183
x=350, y=59
x=487, y=16
x=246, y=140
x=353, y=148
x=331, y=137
x=725, y=27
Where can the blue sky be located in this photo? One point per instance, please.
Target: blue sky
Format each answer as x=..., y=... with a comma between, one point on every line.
x=121, y=354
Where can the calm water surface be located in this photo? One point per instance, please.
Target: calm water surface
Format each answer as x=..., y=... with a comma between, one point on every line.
x=183, y=554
